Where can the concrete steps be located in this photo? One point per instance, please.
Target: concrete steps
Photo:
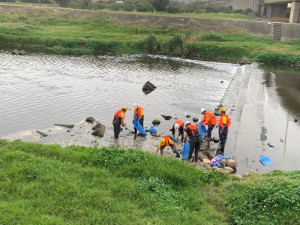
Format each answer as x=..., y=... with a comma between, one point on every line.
x=276, y=31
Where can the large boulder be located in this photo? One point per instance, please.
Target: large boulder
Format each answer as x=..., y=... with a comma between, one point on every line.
x=156, y=122
x=231, y=163
x=148, y=87
x=99, y=130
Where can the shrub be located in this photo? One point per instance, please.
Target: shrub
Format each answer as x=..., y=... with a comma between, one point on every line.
x=174, y=9
x=151, y=44
x=213, y=37
x=175, y=46
x=276, y=58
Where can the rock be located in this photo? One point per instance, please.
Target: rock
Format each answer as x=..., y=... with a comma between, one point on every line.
x=281, y=140
x=238, y=176
x=22, y=52
x=295, y=120
x=217, y=110
x=221, y=170
x=98, y=126
x=42, y=133
x=155, y=135
x=229, y=169
x=15, y=52
x=65, y=125
x=195, y=119
x=204, y=145
x=223, y=162
x=188, y=116
x=250, y=173
x=215, y=140
x=166, y=117
x=156, y=122
x=147, y=130
x=201, y=155
x=270, y=145
x=18, y=140
x=231, y=163
x=90, y=120
x=98, y=130
x=148, y=87
x=222, y=82
x=206, y=160
x=205, y=165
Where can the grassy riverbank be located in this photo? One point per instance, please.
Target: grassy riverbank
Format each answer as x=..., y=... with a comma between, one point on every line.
x=47, y=184
x=50, y=32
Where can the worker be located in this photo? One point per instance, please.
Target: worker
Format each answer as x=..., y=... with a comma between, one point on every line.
x=224, y=123
x=178, y=125
x=167, y=141
x=138, y=114
x=209, y=120
x=119, y=119
x=192, y=132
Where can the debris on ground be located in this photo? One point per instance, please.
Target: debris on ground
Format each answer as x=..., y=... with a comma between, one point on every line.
x=70, y=126
x=42, y=133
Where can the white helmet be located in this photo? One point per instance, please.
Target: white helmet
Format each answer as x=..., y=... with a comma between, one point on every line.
x=135, y=105
x=176, y=126
x=202, y=110
x=187, y=122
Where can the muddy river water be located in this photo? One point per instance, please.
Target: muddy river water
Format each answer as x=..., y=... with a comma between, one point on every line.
x=38, y=91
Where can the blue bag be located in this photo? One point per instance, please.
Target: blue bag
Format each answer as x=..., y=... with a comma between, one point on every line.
x=138, y=126
x=202, y=130
x=153, y=130
x=185, y=150
x=265, y=160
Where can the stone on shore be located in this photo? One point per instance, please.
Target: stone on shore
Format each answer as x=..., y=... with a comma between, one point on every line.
x=90, y=120
x=148, y=87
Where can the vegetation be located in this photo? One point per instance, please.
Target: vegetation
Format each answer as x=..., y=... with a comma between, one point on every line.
x=43, y=30
x=47, y=184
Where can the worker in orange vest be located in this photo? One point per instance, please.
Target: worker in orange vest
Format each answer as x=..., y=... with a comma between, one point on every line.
x=178, y=125
x=138, y=113
x=167, y=141
x=224, y=123
x=192, y=132
x=209, y=120
x=119, y=119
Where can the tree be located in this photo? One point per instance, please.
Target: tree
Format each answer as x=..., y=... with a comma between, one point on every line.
x=160, y=5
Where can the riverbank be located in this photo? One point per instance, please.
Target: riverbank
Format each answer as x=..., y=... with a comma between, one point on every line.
x=44, y=184
x=95, y=32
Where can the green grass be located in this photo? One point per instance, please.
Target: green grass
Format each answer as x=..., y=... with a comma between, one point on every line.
x=48, y=184
x=49, y=32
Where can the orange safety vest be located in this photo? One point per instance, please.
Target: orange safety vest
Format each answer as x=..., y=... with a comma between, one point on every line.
x=209, y=119
x=139, y=111
x=180, y=123
x=221, y=121
x=192, y=130
x=116, y=115
x=167, y=138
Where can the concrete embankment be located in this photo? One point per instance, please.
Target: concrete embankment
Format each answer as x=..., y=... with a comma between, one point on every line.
x=261, y=123
x=260, y=28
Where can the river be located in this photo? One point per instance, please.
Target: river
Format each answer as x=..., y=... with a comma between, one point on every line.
x=38, y=91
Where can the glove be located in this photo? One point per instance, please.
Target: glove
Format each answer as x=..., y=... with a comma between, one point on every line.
x=217, y=125
x=220, y=132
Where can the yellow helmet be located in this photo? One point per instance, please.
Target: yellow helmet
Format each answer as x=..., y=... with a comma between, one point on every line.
x=223, y=110
x=162, y=141
x=125, y=107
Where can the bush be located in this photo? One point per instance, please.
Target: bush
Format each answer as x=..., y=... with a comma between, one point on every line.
x=276, y=58
x=213, y=37
x=151, y=44
x=175, y=46
x=174, y=9
x=276, y=200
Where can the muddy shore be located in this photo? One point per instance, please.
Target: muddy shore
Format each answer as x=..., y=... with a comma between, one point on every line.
x=248, y=102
